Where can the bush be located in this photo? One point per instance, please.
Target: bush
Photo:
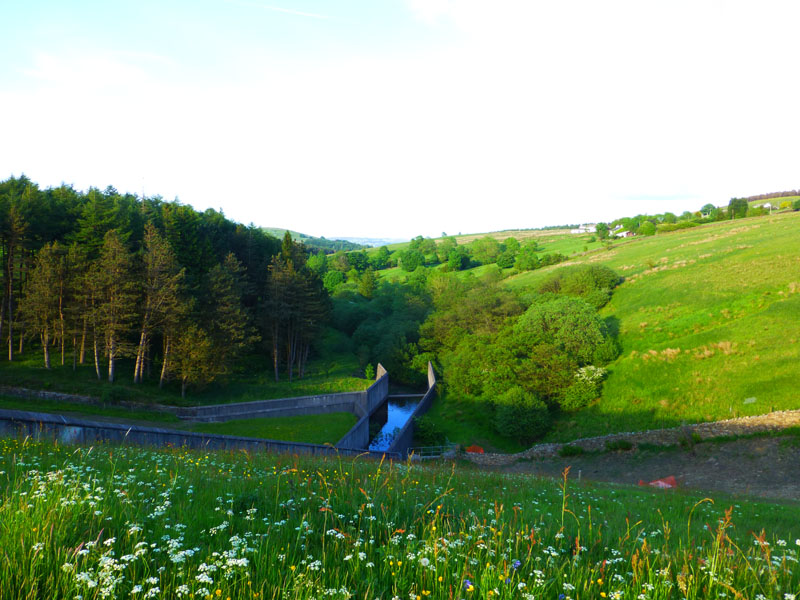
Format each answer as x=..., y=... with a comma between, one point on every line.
x=585, y=389
x=570, y=450
x=796, y=205
x=666, y=227
x=521, y=415
x=593, y=283
x=113, y=395
x=619, y=445
x=646, y=228
x=606, y=352
x=428, y=433
x=332, y=279
x=369, y=372
x=578, y=395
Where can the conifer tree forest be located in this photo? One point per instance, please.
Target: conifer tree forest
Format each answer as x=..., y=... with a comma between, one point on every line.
x=101, y=276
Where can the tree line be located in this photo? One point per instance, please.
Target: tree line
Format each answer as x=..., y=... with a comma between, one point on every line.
x=100, y=276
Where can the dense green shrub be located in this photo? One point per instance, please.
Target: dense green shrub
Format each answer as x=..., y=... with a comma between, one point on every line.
x=578, y=395
x=521, y=415
x=112, y=395
x=570, y=450
x=647, y=228
x=427, y=432
x=585, y=388
x=569, y=324
x=332, y=279
x=666, y=227
x=796, y=205
x=606, y=352
x=619, y=445
x=593, y=283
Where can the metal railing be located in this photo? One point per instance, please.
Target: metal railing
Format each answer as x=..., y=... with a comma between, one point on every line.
x=421, y=452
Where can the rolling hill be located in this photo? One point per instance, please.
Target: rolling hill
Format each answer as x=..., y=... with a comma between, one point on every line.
x=709, y=323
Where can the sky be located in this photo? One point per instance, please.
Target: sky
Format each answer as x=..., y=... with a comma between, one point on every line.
x=397, y=118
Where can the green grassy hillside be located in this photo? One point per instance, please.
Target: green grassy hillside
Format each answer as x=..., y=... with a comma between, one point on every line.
x=709, y=322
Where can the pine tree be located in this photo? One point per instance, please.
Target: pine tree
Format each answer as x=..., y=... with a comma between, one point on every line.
x=116, y=306
x=195, y=362
x=229, y=325
x=13, y=236
x=41, y=304
x=162, y=280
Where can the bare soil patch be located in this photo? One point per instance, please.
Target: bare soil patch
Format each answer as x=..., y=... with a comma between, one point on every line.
x=762, y=467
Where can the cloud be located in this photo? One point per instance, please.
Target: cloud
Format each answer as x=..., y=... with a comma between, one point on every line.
x=87, y=71
x=288, y=11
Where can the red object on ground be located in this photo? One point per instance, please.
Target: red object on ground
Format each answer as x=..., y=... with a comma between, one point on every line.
x=666, y=482
x=474, y=449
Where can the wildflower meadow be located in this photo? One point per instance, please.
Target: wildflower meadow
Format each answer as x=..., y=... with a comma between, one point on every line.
x=124, y=522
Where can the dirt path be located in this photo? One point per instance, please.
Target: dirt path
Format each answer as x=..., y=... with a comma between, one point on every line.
x=764, y=467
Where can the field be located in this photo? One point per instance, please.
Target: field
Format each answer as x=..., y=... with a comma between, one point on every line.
x=551, y=240
x=708, y=322
x=311, y=429
x=111, y=522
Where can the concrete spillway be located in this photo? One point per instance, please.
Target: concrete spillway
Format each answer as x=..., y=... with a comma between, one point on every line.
x=390, y=418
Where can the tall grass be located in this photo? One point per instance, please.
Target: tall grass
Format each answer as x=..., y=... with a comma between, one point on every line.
x=118, y=522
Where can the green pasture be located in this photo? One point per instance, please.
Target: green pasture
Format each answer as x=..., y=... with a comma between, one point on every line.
x=311, y=429
x=551, y=240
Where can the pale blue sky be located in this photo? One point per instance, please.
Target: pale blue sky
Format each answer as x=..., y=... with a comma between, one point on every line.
x=405, y=117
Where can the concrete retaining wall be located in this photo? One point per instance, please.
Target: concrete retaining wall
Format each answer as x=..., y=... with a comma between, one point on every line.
x=354, y=402
x=358, y=436
x=69, y=430
x=405, y=438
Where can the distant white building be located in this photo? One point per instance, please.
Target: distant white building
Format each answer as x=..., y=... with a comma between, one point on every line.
x=590, y=228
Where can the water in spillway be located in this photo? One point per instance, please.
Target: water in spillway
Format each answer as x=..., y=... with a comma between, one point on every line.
x=390, y=418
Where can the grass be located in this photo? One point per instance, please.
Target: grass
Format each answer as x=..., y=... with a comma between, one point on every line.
x=708, y=324
x=91, y=410
x=332, y=372
x=312, y=429
x=111, y=522
x=466, y=423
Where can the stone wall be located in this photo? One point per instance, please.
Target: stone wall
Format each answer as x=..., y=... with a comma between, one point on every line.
x=774, y=421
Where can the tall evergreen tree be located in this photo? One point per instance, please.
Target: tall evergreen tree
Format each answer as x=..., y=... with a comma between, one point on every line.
x=13, y=252
x=114, y=274
x=41, y=305
x=229, y=324
x=98, y=217
x=161, y=281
